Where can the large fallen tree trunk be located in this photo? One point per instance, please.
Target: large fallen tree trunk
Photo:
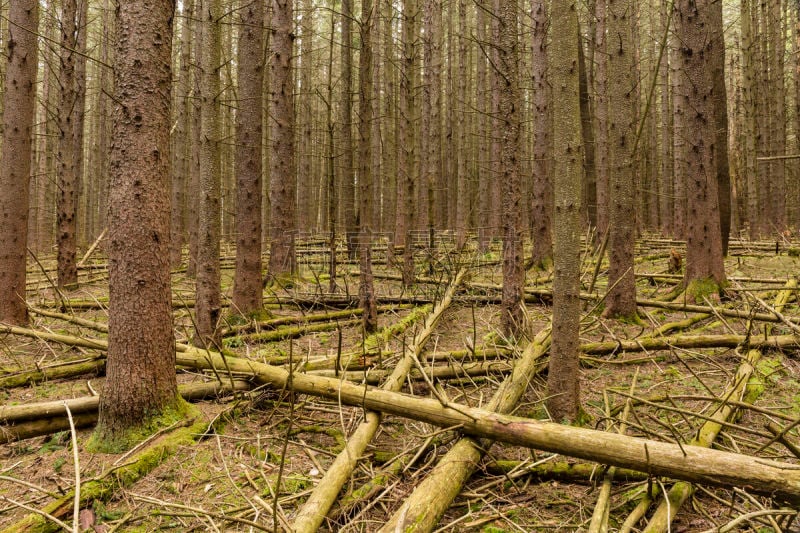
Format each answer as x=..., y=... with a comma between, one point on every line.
x=698, y=465
x=19, y=422
x=312, y=513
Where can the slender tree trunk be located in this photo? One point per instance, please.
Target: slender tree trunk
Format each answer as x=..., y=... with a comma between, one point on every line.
x=721, y=123
x=407, y=164
x=347, y=178
x=462, y=178
x=247, y=285
x=622, y=101
x=366, y=290
x=512, y=317
x=19, y=98
x=193, y=190
x=67, y=200
x=542, y=204
x=182, y=145
x=601, y=114
x=563, y=376
x=282, y=259
x=78, y=121
x=666, y=187
x=141, y=340
x=209, y=306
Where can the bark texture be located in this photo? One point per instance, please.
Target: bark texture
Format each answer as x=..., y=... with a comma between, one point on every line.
x=208, y=307
x=282, y=259
x=542, y=204
x=622, y=103
x=512, y=318
x=141, y=341
x=19, y=97
x=696, y=96
x=563, y=378
x=67, y=198
x=247, y=278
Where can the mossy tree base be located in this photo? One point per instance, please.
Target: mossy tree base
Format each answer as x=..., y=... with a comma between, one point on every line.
x=107, y=439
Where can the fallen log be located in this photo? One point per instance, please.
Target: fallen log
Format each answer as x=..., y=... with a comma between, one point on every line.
x=423, y=508
x=19, y=422
x=689, y=463
x=312, y=513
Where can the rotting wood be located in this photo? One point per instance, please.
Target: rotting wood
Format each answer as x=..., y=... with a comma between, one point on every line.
x=94, y=366
x=711, y=467
x=312, y=513
x=19, y=422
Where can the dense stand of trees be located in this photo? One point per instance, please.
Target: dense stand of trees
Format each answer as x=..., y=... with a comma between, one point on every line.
x=398, y=122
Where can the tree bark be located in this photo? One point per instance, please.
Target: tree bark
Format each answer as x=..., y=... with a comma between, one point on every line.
x=141, y=340
x=282, y=259
x=696, y=96
x=247, y=287
x=209, y=307
x=542, y=204
x=67, y=199
x=563, y=379
x=622, y=102
x=19, y=98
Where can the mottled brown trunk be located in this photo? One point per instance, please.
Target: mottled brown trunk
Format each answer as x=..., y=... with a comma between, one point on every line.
x=195, y=138
x=433, y=176
x=485, y=174
x=563, y=377
x=19, y=97
x=282, y=259
x=622, y=101
x=601, y=121
x=182, y=156
x=542, y=197
x=512, y=317
x=695, y=92
x=461, y=220
x=347, y=194
x=589, y=193
x=720, y=96
x=78, y=121
x=305, y=176
x=666, y=184
x=247, y=285
x=141, y=341
x=67, y=198
x=407, y=164
x=679, y=122
x=366, y=289
x=208, y=306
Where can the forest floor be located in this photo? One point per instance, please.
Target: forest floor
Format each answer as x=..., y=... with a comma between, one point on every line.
x=265, y=449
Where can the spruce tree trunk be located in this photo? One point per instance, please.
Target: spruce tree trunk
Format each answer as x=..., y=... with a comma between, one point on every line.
x=282, y=259
x=19, y=98
x=622, y=102
x=695, y=94
x=141, y=341
x=67, y=198
x=563, y=377
x=209, y=306
x=542, y=204
x=247, y=287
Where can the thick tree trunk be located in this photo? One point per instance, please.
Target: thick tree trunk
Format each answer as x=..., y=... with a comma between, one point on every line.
x=695, y=94
x=601, y=121
x=141, y=340
x=19, y=97
x=247, y=287
x=720, y=121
